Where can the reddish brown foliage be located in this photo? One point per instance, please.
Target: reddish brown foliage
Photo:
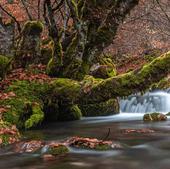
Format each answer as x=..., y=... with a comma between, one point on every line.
x=29, y=146
x=26, y=74
x=91, y=143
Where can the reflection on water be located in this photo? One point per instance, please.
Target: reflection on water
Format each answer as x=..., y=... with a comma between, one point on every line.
x=149, y=102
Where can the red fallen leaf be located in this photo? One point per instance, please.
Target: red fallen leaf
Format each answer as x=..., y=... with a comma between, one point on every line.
x=87, y=142
x=29, y=146
x=22, y=74
x=48, y=157
x=1, y=141
x=14, y=127
x=2, y=110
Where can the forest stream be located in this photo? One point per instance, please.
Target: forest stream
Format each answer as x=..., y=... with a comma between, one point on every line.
x=84, y=84
x=146, y=144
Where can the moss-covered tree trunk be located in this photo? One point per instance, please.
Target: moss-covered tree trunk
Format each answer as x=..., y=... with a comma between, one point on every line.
x=95, y=24
x=67, y=92
x=28, y=47
x=129, y=83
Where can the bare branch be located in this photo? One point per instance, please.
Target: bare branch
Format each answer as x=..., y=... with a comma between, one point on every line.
x=26, y=9
x=10, y=15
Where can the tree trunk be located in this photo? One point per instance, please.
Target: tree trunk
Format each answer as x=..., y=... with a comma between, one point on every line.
x=66, y=93
x=91, y=90
x=95, y=24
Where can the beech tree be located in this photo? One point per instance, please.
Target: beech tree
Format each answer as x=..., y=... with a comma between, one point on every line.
x=73, y=45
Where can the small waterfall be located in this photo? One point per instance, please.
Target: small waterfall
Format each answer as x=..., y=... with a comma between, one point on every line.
x=158, y=101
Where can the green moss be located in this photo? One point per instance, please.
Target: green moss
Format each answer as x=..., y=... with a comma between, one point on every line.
x=33, y=28
x=58, y=53
x=28, y=47
x=75, y=112
x=69, y=112
x=109, y=107
x=46, y=55
x=36, y=117
x=131, y=82
x=103, y=147
x=56, y=61
x=66, y=89
x=9, y=134
x=57, y=150
x=104, y=72
x=4, y=65
x=152, y=54
x=24, y=109
x=162, y=84
x=168, y=114
x=51, y=67
x=154, y=117
x=60, y=102
x=106, y=68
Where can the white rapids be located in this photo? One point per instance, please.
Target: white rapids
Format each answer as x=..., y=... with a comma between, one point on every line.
x=158, y=101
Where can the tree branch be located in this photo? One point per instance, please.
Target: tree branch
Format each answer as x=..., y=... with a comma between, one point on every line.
x=10, y=15
x=129, y=83
x=26, y=9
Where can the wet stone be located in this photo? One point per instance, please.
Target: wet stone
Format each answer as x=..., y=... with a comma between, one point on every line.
x=154, y=117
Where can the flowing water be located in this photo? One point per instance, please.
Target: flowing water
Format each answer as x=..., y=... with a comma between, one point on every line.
x=146, y=148
x=158, y=101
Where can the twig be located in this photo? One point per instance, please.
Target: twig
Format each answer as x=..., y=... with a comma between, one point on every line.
x=15, y=20
x=108, y=134
x=26, y=9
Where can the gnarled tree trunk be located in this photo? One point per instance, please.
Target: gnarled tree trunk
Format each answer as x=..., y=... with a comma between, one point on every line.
x=91, y=91
x=95, y=24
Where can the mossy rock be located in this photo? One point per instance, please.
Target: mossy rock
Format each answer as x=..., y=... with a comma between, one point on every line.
x=25, y=108
x=92, y=144
x=104, y=72
x=154, y=117
x=4, y=65
x=103, y=147
x=36, y=117
x=57, y=149
x=69, y=113
x=168, y=114
x=105, y=68
x=109, y=107
x=60, y=103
